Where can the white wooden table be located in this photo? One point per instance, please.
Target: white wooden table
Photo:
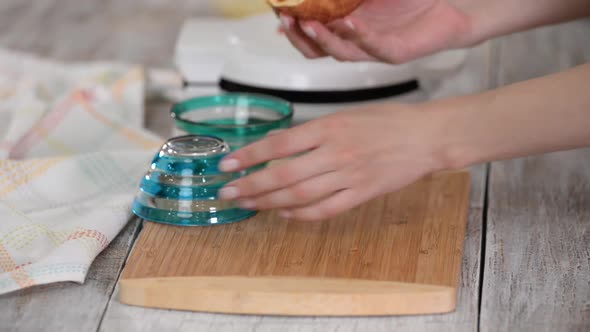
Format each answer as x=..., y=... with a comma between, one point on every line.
x=527, y=252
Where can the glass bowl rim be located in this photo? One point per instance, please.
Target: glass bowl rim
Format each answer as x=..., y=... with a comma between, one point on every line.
x=202, y=155
x=221, y=99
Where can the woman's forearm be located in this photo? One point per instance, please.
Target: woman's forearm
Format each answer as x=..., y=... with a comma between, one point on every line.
x=538, y=116
x=493, y=18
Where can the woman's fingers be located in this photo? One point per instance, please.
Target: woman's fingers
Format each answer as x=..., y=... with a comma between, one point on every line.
x=332, y=44
x=273, y=147
x=282, y=175
x=436, y=29
x=299, y=39
x=342, y=27
x=315, y=40
x=393, y=50
x=302, y=193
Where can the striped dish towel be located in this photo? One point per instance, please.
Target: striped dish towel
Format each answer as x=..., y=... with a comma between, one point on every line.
x=72, y=150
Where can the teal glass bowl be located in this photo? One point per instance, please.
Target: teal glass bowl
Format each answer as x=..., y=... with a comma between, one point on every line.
x=238, y=119
x=181, y=187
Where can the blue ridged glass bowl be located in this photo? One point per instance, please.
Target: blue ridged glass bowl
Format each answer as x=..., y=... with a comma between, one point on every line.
x=181, y=186
x=238, y=119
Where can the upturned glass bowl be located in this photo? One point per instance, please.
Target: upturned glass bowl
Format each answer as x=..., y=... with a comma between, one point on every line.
x=238, y=119
x=182, y=184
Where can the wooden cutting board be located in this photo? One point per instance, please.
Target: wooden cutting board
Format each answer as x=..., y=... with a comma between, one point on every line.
x=398, y=254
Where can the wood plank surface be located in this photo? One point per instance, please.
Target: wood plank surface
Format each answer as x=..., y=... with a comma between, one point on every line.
x=129, y=318
x=537, y=253
x=537, y=273
x=400, y=253
x=406, y=236
x=120, y=317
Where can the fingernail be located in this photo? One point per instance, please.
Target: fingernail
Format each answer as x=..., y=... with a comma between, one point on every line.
x=247, y=204
x=285, y=214
x=309, y=31
x=229, y=165
x=349, y=24
x=229, y=193
x=285, y=22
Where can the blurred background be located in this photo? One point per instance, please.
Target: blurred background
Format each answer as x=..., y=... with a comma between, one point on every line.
x=142, y=31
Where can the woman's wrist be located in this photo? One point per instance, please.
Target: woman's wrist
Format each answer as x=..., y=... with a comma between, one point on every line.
x=447, y=136
x=538, y=116
x=490, y=19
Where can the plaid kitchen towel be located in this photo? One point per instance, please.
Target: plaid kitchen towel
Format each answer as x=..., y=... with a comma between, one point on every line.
x=72, y=150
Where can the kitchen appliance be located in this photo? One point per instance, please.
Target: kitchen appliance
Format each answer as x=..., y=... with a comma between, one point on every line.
x=250, y=55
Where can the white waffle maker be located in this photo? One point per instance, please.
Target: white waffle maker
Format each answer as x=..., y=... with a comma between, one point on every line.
x=250, y=55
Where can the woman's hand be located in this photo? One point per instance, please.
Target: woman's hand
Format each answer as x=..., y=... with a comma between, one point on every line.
x=392, y=31
x=349, y=157
x=397, y=31
x=342, y=160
